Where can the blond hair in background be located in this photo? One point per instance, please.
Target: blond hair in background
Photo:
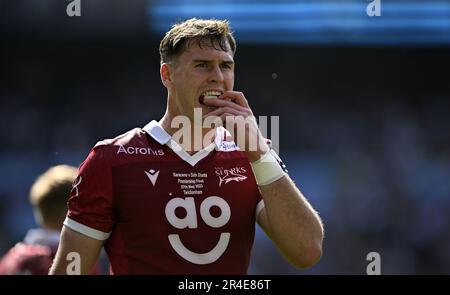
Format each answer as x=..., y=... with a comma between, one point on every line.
x=49, y=195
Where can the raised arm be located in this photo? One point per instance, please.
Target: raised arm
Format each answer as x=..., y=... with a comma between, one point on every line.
x=287, y=218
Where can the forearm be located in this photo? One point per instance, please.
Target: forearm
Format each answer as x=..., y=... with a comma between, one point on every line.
x=77, y=254
x=292, y=223
x=59, y=266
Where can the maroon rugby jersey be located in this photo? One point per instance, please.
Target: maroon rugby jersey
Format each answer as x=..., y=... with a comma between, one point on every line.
x=163, y=211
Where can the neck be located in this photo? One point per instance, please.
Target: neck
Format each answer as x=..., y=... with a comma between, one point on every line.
x=188, y=135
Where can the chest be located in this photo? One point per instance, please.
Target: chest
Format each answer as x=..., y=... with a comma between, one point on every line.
x=216, y=192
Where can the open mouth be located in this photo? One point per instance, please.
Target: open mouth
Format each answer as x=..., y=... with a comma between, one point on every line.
x=209, y=94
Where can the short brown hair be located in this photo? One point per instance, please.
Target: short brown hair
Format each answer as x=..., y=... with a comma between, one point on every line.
x=207, y=32
x=50, y=192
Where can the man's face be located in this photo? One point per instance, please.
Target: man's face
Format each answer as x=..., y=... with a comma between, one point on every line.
x=199, y=72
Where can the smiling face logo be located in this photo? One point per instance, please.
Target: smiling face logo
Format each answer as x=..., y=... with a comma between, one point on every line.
x=190, y=221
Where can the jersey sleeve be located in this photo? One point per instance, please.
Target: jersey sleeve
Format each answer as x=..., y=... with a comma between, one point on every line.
x=90, y=206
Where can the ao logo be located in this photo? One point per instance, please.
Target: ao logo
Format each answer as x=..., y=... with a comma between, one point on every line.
x=190, y=221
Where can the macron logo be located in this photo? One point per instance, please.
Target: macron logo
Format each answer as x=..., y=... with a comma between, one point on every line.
x=152, y=175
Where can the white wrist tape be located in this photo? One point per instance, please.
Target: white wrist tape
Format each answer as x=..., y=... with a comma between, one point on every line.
x=267, y=169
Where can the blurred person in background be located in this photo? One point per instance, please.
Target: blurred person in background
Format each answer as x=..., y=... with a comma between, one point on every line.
x=48, y=196
x=161, y=205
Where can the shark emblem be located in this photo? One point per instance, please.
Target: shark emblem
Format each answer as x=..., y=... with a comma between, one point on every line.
x=228, y=176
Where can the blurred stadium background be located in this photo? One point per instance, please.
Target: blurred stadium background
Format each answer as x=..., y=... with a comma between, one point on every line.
x=363, y=105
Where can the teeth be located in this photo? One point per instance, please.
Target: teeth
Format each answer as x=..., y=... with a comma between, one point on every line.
x=211, y=94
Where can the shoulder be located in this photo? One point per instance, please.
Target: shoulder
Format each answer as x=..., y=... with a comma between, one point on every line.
x=135, y=142
x=133, y=136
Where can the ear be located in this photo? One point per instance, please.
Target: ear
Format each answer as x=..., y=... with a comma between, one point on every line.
x=165, y=73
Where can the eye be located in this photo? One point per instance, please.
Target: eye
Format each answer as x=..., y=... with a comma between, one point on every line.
x=227, y=66
x=201, y=65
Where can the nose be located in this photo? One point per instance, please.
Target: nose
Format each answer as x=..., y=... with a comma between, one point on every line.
x=216, y=74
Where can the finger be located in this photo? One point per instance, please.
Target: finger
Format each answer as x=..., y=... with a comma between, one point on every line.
x=224, y=103
x=237, y=97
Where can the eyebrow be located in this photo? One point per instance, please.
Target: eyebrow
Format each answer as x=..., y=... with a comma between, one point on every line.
x=229, y=62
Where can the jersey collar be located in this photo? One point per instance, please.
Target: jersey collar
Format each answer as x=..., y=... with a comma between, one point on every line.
x=157, y=132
